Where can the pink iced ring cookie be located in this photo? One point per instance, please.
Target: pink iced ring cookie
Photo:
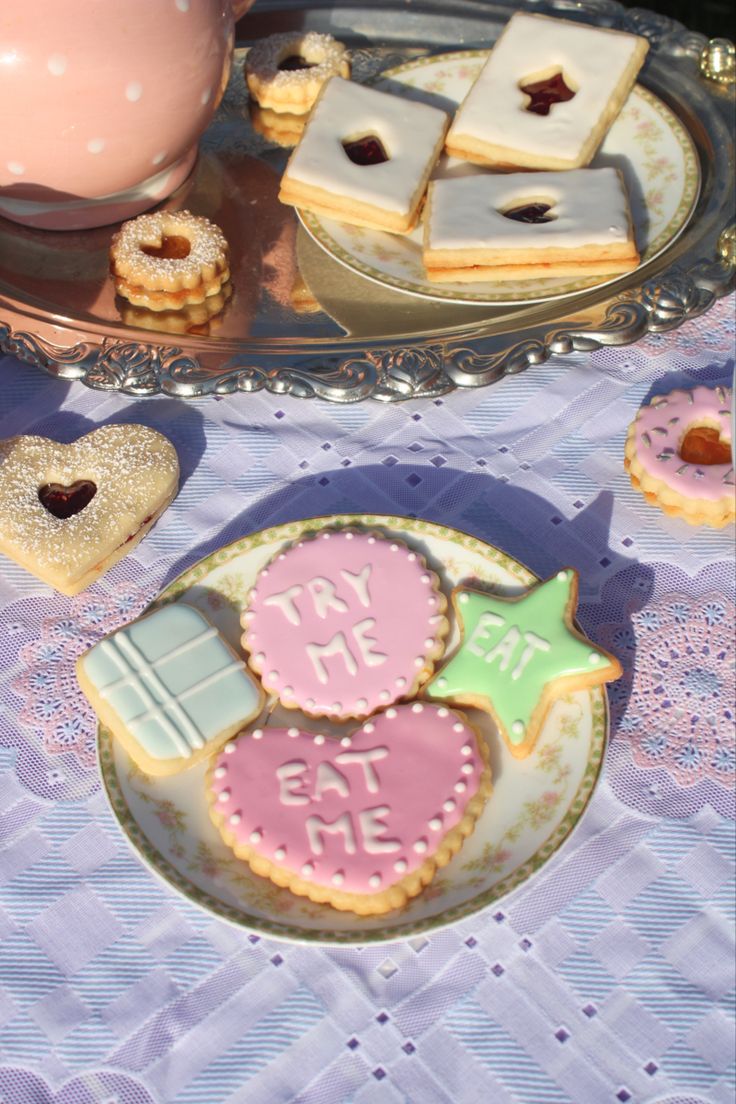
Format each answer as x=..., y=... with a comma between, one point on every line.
x=678, y=454
x=285, y=72
x=344, y=623
x=360, y=822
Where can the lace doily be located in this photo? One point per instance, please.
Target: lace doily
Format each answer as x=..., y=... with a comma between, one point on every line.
x=53, y=717
x=672, y=712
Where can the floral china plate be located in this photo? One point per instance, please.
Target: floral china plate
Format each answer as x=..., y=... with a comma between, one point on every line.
x=647, y=142
x=535, y=804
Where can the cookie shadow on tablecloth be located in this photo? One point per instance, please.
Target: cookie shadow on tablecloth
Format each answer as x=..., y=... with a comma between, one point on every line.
x=181, y=422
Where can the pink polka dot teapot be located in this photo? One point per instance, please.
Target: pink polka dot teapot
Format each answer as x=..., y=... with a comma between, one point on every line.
x=102, y=104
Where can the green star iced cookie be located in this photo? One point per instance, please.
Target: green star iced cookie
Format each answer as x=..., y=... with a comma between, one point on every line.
x=517, y=655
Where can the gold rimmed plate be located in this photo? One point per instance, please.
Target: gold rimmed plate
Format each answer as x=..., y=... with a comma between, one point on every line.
x=536, y=802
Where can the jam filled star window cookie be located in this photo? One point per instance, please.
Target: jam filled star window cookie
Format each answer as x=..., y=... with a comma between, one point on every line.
x=362, y=822
x=68, y=512
x=528, y=225
x=547, y=94
x=518, y=655
x=286, y=72
x=365, y=157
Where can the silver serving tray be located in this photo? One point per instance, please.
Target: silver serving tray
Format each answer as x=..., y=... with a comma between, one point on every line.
x=57, y=304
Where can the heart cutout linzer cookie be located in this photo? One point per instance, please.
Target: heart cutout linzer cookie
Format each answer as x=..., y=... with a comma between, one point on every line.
x=64, y=502
x=704, y=445
x=357, y=813
x=68, y=512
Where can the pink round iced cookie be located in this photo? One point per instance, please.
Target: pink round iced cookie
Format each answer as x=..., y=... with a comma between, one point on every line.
x=344, y=623
x=359, y=822
x=678, y=453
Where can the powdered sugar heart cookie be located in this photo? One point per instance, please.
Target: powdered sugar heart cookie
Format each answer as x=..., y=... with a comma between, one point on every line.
x=361, y=823
x=69, y=512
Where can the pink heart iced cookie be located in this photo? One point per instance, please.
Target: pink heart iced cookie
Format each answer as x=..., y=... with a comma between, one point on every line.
x=344, y=623
x=361, y=823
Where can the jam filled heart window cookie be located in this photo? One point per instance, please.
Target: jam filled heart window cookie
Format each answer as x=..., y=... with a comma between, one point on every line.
x=169, y=688
x=547, y=95
x=68, y=512
x=679, y=455
x=362, y=822
x=168, y=260
x=518, y=655
x=286, y=72
x=344, y=623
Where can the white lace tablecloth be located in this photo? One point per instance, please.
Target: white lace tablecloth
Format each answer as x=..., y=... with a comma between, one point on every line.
x=607, y=978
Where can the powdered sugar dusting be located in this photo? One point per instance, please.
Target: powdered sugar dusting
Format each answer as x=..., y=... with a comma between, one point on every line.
x=208, y=248
x=325, y=55
x=135, y=470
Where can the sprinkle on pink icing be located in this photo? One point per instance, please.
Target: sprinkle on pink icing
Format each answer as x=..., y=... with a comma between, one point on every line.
x=343, y=622
x=660, y=429
x=351, y=811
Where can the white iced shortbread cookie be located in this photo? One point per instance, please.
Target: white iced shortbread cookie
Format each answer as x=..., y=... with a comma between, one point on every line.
x=493, y=126
x=321, y=177
x=169, y=688
x=468, y=237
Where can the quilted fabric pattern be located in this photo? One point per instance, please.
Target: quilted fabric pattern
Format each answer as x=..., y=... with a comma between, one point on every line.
x=607, y=978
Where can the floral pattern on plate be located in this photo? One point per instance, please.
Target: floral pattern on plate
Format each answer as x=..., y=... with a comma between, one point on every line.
x=535, y=804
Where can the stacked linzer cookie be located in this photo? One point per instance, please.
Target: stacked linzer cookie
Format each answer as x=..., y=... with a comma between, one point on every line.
x=535, y=117
x=380, y=777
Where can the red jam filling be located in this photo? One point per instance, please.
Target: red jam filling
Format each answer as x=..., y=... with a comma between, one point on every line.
x=545, y=93
x=703, y=445
x=293, y=62
x=63, y=502
x=530, y=212
x=173, y=248
x=366, y=151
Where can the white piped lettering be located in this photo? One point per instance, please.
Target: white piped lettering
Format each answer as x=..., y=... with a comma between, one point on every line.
x=365, y=642
x=284, y=600
x=372, y=828
x=534, y=644
x=338, y=645
x=480, y=632
x=317, y=827
x=359, y=583
x=324, y=596
x=290, y=777
x=328, y=778
x=366, y=759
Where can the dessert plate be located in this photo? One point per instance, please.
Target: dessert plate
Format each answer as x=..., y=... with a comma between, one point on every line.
x=535, y=804
x=647, y=142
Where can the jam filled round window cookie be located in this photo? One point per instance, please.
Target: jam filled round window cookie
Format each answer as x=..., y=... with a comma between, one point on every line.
x=285, y=72
x=678, y=454
x=168, y=260
x=344, y=623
